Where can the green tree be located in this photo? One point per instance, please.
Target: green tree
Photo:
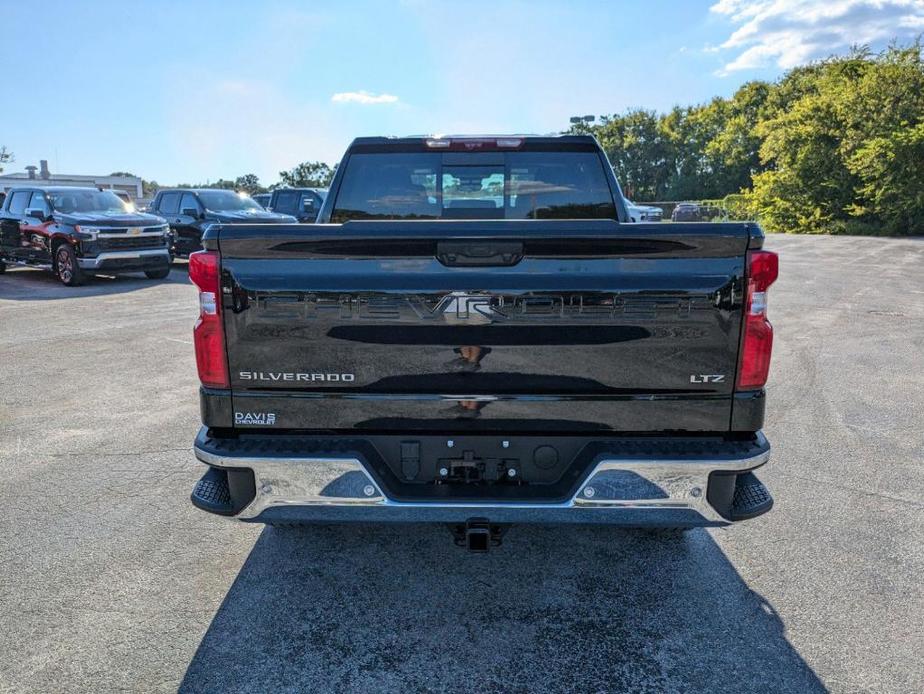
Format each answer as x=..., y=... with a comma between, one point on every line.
x=883, y=143
x=6, y=157
x=891, y=173
x=688, y=131
x=223, y=184
x=733, y=151
x=842, y=146
x=309, y=174
x=836, y=145
x=714, y=150
x=705, y=151
x=249, y=183
x=637, y=149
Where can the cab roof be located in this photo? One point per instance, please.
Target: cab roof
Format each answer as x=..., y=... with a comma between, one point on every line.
x=54, y=189
x=512, y=143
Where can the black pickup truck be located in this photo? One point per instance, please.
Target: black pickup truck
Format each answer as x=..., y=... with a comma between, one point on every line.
x=471, y=334
x=75, y=232
x=190, y=211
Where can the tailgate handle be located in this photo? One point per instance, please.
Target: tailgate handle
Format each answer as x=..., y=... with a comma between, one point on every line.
x=479, y=253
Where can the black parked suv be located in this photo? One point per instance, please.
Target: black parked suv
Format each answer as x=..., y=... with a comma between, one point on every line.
x=302, y=203
x=262, y=199
x=687, y=212
x=190, y=211
x=77, y=231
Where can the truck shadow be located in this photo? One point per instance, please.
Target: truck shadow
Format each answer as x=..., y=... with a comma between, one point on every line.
x=30, y=284
x=363, y=608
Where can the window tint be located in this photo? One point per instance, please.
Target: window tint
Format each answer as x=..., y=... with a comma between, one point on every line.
x=19, y=201
x=525, y=185
x=169, y=203
x=286, y=202
x=227, y=200
x=189, y=202
x=473, y=192
x=39, y=202
x=84, y=200
x=563, y=185
x=389, y=186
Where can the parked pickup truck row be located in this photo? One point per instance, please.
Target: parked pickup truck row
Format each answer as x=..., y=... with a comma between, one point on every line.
x=75, y=232
x=473, y=334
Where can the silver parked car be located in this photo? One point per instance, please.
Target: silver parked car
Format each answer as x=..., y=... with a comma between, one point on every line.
x=644, y=213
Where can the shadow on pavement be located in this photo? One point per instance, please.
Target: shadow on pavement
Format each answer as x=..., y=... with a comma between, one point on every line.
x=30, y=284
x=364, y=608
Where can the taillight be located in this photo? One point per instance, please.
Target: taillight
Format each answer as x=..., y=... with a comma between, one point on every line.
x=208, y=336
x=757, y=343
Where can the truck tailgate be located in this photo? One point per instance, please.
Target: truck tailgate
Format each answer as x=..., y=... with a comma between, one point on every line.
x=537, y=325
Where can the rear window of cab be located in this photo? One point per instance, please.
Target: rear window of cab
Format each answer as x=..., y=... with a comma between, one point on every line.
x=512, y=185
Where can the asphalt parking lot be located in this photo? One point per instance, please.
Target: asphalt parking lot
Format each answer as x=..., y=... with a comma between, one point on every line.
x=110, y=580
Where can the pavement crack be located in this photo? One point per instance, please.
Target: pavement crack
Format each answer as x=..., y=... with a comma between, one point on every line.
x=865, y=492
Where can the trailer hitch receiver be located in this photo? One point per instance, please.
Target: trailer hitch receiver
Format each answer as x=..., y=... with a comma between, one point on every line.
x=478, y=534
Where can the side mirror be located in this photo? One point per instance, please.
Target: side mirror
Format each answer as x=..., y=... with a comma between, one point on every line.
x=308, y=204
x=37, y=214
x=190, y=212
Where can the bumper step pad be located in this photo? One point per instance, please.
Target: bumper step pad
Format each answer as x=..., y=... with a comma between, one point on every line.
x=211, y=493
x=751, y=498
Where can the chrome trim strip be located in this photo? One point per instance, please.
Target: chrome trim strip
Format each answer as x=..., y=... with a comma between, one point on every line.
x=126, y=235
x=345, y=482
x=95, y=263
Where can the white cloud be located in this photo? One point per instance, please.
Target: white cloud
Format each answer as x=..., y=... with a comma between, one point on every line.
x=363, y=97
x=792, y=32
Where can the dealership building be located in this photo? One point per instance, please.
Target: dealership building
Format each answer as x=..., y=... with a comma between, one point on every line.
x=40, y=175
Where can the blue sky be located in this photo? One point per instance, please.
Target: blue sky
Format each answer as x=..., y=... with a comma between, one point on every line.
x=195, y=91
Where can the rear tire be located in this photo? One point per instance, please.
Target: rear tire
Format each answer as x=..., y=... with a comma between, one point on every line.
x=159, y=274
x=66, y=268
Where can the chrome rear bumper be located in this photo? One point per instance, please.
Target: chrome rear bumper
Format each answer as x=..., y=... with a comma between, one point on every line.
x=618, y=490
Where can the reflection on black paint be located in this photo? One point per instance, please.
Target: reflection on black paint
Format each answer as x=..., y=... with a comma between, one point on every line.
x=507, y=335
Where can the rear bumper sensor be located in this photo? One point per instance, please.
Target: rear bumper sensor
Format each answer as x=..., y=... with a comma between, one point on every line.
x=299, y=479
